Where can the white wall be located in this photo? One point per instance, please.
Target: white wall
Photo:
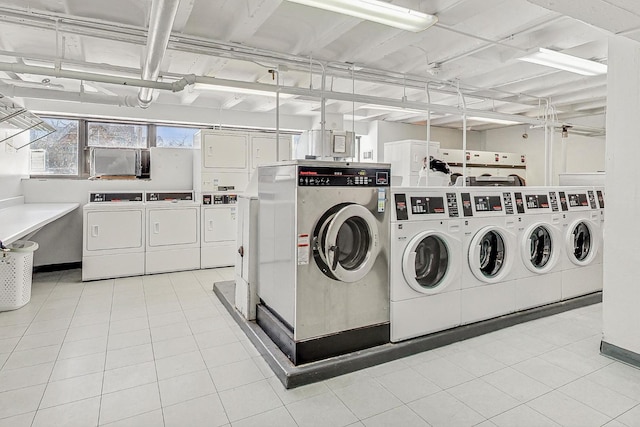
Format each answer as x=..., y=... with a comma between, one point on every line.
x=61, y=241
x=584, y=154
x=621, y=295
x=14, y=164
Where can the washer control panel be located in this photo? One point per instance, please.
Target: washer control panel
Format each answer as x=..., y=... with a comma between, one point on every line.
x=320, y=176
x=116, y=197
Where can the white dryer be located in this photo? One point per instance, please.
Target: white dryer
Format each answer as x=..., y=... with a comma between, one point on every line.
x=541, y=246
x=113, y=235
x=489, y=253
x=425, y=254
x=173, y=232
x=581, y=228
x=218, y=230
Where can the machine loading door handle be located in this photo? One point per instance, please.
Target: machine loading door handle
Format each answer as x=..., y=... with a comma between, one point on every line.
x=95, y=231
x=335, y=250
x=241, y=251
x=156, y=227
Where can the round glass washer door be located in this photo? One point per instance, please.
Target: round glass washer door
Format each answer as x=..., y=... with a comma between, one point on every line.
x=539, y=248
x=349, y=243
x=490, y=254
x=430, y=262
x=582, y=242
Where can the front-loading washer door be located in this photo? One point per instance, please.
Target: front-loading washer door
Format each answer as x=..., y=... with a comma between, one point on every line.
x=429, y=262
x=489, y=254
x=582, y=242
x=539, y=248
x=349, y=243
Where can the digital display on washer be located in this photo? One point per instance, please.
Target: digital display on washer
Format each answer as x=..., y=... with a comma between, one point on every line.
x=427, y=205
x=537, y=201
x=487, y=203
x=576, y=200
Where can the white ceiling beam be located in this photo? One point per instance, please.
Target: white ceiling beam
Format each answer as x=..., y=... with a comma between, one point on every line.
x=600, y=14
x=249, y=19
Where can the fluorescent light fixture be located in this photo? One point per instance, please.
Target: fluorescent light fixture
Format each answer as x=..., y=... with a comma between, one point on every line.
x=391, y=109
x=377, y=11
x=492, y=120
x=562, y=61
x=241, y=90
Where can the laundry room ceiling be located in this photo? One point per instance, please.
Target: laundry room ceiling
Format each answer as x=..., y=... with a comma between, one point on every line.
x=469, y=59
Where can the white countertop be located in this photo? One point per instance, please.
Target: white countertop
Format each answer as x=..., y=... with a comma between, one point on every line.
x=20, y=220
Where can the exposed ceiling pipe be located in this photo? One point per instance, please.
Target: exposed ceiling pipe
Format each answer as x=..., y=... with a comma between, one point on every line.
x=176, y=86
x=163, y=13
x=12, y=91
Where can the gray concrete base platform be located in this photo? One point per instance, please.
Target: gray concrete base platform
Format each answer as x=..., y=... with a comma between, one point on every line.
x=295, y=376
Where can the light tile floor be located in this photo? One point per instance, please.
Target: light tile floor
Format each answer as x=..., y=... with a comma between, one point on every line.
x=162, y=351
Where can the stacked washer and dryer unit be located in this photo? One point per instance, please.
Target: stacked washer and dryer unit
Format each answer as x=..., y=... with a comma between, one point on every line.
x=323, y=257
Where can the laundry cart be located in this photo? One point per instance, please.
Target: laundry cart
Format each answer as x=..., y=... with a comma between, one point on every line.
x=16, y=272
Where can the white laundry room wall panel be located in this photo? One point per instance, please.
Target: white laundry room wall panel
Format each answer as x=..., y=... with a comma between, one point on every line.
x=14, y=164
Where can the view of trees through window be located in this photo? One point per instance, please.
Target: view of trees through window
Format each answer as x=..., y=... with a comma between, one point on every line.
x=57, y=153
x=60, y=152
x=173, y=136
x=121, y=135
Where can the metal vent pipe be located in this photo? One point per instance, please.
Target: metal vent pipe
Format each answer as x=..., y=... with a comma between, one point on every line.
x=163, y=13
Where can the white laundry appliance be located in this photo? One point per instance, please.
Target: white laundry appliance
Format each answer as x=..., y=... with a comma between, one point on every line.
x=246, y=263
x=489, y=253
x=425, y=259
x=541, y=246
x=582, y=263
x=173, y=232
x=218, y=230
x=323, y=257
x=408, y=165
x=113, y=235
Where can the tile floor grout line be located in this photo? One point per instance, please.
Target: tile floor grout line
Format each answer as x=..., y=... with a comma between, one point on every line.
x=106, y=350
x=153, y=353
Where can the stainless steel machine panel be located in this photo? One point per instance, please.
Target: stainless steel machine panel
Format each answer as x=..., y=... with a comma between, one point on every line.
x=323, y=247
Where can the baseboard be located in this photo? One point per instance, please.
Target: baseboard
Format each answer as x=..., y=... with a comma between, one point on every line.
x=57, y=267
x=620, y=354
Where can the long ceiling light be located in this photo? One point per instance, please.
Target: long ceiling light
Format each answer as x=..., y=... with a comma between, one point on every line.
x=377, y=11
x=562, y=61
x=493, y=120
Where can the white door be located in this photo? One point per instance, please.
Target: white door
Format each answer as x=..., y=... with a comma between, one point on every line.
x=225, y=150
x=220, y=224
x=122, y=229
x=263, y=150
x=177, y=226
x=349, y=243
x=430, y=262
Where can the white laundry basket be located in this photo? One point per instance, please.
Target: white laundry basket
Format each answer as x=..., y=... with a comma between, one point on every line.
x=16, y=272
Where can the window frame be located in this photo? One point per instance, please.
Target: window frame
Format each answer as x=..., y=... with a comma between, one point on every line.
x=83, y=137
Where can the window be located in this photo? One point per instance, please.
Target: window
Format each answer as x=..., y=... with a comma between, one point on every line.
x=122, y=135
x=57, y=153
x=172, y=136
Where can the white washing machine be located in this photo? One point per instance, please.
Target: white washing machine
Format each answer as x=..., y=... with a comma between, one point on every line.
x=113, y=235
x=173, y=232
x=323, y=257
x=425, y=255
x=218, y=230
x=582, y=263
x=541, y=246
x=489, y=253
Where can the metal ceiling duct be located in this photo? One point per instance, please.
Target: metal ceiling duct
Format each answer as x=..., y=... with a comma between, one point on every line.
x=163, y=13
